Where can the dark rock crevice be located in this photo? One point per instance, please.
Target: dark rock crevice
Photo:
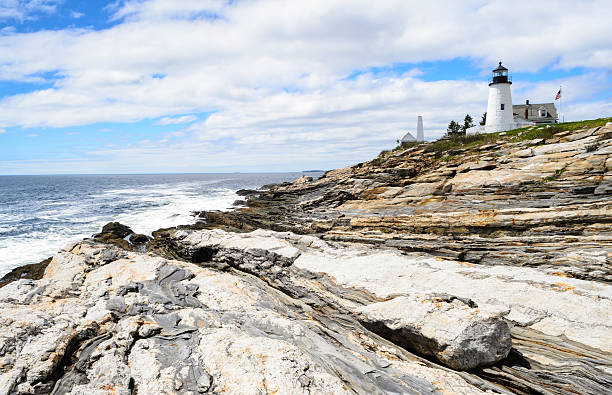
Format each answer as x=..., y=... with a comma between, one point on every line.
x=71, y=369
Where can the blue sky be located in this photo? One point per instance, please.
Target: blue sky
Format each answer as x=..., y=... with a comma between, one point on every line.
x=90, y=14
x=206, y=86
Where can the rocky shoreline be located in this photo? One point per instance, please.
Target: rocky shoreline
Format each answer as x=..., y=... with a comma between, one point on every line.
x=481, y=267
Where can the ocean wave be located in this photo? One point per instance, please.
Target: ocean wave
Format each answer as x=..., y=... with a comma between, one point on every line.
x=40, y=221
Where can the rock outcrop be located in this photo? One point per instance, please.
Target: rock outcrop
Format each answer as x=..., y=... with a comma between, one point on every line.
x=105, y=320
x=528, y=203
x=478, y=266
x=121, y=235
x=457, y=333
x=34, y=271
x=451, y=310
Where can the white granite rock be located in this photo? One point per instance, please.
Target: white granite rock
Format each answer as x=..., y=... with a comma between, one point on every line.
x=459, y=335
x=137, y=322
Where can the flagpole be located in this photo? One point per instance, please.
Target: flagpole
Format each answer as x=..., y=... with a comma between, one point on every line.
x=561, y=103
x=563, y=113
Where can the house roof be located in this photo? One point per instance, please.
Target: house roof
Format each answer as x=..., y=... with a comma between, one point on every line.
x=533, y=109
x=407, y=138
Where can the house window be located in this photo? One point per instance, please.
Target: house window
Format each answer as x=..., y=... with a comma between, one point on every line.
x=542, y=112
x=502, y=106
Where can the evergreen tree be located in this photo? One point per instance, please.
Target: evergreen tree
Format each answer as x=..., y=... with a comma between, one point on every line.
x=454, y=129
x=468, y=122
x=484, y=119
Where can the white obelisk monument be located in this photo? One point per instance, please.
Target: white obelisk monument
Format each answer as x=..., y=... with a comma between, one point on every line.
x=499, y=109
x=420, y=136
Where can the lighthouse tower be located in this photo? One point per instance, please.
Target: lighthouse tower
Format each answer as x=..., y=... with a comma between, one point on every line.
x=499, y=109
x=420, y=136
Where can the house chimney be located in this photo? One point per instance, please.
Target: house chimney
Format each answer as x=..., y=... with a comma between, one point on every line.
x=527, y=101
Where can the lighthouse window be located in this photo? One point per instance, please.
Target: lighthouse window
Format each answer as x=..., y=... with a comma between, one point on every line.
x=502, y=106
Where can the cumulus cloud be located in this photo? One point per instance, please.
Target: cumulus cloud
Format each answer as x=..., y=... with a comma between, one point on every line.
x=259, y=48
x=274, y=73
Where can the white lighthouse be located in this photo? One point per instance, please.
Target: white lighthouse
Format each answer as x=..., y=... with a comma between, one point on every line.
x=420, y=136
x=499, y=109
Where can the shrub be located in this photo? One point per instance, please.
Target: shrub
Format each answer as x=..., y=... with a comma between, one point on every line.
x=592, y=147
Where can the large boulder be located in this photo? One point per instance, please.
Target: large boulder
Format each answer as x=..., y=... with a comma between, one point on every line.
x=121, y=235
x=453, y=331
x=116, y=229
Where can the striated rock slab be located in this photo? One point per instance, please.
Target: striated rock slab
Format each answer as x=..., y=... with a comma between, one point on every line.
x=528, y=203
x=103, y=320
x=460, y=336
x=551, y=319
x=525, y=296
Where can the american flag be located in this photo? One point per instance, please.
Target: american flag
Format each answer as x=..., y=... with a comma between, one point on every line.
x=558, y=95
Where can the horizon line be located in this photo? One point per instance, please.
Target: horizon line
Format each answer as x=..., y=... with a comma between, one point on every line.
x=153, y=173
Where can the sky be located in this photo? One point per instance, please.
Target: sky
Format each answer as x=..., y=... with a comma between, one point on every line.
x=175, y=86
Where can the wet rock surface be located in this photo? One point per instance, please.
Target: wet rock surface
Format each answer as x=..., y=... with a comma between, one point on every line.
x=122, y=236
x=33, y=271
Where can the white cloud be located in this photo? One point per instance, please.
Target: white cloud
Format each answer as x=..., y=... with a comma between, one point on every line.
x=273, y=72
x=2, y=131
x=76, y=14
x=346, y=110
x=176, y=120
x=258, y=48
x=26, y=9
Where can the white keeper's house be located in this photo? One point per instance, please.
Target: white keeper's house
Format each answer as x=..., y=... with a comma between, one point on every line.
x=503, y=115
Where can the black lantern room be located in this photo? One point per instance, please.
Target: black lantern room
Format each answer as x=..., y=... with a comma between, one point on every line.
x=500, y=75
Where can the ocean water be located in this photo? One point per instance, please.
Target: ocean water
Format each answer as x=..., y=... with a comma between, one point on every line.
x=41, y=214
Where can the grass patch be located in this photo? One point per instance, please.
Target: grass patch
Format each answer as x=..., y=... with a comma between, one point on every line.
x=448, y=158
x=406, y=145
x=543, y=132
x=439, y=147
x=588, y=124
x=444, y=147
x=555, y=176
x=539, y=132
